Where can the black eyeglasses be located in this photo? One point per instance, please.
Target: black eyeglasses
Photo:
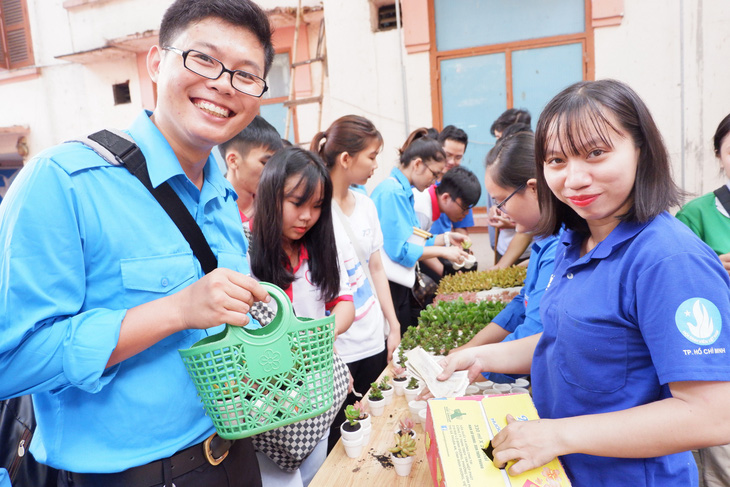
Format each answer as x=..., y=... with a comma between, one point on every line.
x=211, y=68
x=464, y=208
x=519, y=188
x=436, y=175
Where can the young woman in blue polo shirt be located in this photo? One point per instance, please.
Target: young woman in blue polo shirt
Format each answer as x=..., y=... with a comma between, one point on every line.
x=422, y=161
x=510, y=181
x=631, y=371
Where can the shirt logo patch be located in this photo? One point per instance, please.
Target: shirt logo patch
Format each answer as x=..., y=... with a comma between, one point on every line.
x=699, y=321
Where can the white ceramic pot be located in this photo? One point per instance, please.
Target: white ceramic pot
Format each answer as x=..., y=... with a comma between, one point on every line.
x=519, y=390
x=521, y=382
x=365, y=422
x=366, y=435
x=470, y=261
x=502, y=388
x=422, y=415
x=376, y=406
x=472, y=391
x=411, y=394
x=400, y=386
x=402, y=465
x=353, y=448
x=388, y=395
x=415, y=407
x=485, y=384
x=350, y=434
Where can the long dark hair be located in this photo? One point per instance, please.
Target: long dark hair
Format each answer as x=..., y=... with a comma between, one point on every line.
x=351, y=134
x=571, y=119
x=268, y=258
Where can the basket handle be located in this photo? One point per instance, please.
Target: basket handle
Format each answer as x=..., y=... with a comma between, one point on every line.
x=279, y=325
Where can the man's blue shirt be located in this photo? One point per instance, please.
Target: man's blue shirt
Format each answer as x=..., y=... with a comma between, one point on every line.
x=84, y=241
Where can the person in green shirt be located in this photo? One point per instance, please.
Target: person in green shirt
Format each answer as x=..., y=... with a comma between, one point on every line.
x=709, y=218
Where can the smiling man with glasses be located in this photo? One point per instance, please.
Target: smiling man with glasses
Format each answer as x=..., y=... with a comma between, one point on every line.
x=98, y=281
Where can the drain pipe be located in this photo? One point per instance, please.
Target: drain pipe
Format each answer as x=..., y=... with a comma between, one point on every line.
x=401, y=43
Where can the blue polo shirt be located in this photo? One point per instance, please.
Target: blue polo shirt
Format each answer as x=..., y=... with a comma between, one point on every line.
x=83, y=241
x=393, y=199
x=521, y=317
x=646, y=307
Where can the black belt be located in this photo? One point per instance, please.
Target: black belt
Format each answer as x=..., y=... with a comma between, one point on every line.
x=213, y=451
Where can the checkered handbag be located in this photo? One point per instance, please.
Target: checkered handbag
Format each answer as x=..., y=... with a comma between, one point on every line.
x=288, y=446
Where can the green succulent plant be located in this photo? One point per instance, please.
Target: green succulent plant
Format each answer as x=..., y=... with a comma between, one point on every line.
x=375, y=392
x=405, y=445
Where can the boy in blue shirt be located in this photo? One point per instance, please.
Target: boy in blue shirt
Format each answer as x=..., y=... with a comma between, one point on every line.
x=100, y=288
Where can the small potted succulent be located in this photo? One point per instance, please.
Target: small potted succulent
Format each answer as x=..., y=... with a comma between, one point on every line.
x=405, y=427
x=402, y=454
x=351, y=432
x=470, y=259
x=399, y=384
x=386, y=389
x=364, y=420
x=413, y=388
x=351, y=428
x=375, y=398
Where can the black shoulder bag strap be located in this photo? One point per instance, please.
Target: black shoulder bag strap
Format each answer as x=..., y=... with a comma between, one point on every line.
x=130, y=156
x=723, y=194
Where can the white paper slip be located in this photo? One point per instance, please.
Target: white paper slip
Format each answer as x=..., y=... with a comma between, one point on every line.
x=426, y=368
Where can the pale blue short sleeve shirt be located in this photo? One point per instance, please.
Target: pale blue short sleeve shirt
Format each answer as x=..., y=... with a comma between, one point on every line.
x=393, y=199
x=82, y=242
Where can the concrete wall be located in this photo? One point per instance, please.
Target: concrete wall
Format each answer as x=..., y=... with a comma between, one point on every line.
x=673, y=52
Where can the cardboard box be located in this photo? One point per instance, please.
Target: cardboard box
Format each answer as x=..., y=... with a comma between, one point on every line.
x=458, y=428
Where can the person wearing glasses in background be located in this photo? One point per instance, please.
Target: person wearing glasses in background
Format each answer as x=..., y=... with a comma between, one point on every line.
x=510, y=247
x=453, y=199
x=100, y=289
x=422, y=162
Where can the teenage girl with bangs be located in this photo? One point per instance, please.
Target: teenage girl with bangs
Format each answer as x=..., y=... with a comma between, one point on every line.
x=349, y=149
x=631, y=371
x=422, y=161
x=294, y=248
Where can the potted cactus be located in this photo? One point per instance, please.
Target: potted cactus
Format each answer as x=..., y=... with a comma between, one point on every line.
x=402, y=454
x=375, y=398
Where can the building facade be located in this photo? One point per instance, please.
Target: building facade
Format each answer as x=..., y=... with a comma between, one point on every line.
x=70, y=67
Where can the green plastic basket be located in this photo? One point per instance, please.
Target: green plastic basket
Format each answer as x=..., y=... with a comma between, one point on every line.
x=258, y=380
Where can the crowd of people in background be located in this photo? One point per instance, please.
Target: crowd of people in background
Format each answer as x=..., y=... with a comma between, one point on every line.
x=100, y=289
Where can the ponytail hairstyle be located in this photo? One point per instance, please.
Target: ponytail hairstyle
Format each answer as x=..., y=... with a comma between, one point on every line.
x=420, y=145
x=512, y=160
x=351, y=134
x=268, y=258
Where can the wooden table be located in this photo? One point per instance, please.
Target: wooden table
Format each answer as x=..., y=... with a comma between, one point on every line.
x=373, y=467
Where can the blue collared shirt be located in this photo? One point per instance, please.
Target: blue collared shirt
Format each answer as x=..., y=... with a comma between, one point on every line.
x=521, y=317
x=84, y=241
x=649, y=305
x=393, y=199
